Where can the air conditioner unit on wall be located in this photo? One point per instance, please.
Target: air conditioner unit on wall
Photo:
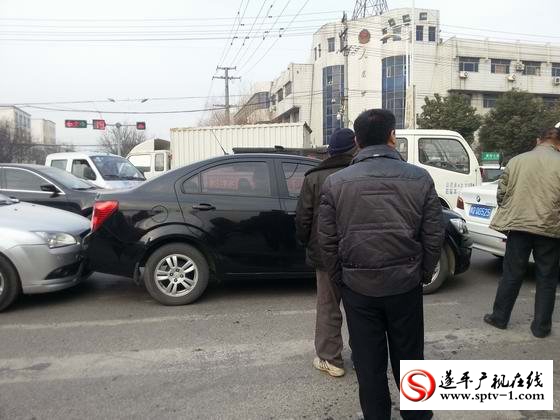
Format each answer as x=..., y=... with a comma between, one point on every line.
x=556, y=80
x=463, y=75
x=519, y=66
x=512, y=77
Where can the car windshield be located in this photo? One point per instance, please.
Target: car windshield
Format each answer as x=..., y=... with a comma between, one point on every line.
x=66, y=179
x=117, y=168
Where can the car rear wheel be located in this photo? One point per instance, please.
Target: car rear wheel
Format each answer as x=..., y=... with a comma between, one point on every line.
x=9, y=284
x=176, y=274
x=441, y=273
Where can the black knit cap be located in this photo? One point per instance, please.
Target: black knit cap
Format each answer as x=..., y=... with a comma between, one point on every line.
x=341, y=141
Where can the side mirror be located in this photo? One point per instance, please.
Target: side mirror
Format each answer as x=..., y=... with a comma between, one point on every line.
x=50, y=188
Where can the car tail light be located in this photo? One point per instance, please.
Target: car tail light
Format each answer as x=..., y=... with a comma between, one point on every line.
x=460, y=203
x=101, y=212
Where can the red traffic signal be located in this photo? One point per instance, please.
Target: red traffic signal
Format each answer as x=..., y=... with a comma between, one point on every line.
x=75, y=123
x=99, y=124
x=141, y=125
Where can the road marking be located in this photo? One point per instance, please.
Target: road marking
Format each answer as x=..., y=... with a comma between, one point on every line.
x=175, y=318
x=119, y=322
x=220, y=356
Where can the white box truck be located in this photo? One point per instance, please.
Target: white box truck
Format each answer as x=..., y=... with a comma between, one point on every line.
x=193, y=144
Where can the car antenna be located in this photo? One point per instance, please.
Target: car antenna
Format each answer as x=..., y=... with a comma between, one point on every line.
x=220, y=144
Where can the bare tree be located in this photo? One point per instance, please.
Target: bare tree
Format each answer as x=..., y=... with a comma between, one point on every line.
x=128, y=136
x=15, y=143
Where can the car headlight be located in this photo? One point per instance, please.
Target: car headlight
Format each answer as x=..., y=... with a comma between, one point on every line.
x=57, y=239
x=460, y=225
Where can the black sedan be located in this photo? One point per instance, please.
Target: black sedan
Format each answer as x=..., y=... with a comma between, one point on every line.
x=231, y=216
x=47, y=186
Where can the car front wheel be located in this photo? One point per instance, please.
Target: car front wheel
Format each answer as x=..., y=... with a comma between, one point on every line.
x=441, y=273
x=176, y=274
x=9, y=284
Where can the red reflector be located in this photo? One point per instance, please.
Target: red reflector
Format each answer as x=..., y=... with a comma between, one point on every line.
x=460, y=203
x=101, y=212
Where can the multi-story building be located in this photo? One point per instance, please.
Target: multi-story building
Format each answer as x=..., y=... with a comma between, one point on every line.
x=43, y=131
x=17, y=119
x=397, y=59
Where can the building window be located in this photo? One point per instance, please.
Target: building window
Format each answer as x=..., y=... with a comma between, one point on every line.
x=499, y=66
x=469, y=64
x=419, y=33
x=331, y=44
x=489, y=101
x=406, y=18
x=432, y=33
x=555, y=69
x=288, y=89
x=280, y=95
x=333, y=91
x=319, y=50
x=532, y=68
x=315, y=50
x=394, y=87
x=423, y=15
x=391, y=22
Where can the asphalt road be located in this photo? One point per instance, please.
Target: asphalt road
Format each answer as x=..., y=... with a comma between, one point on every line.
x=105, y=349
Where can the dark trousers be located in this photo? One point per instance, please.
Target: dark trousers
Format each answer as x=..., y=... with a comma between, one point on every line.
x=328, y=326
x=374, y=323
x=546, y=252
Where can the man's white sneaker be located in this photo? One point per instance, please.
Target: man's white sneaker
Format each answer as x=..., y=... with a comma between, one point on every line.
x=328, y=367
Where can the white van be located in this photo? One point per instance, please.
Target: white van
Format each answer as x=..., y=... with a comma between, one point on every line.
x=101, y=169
x=446, y=156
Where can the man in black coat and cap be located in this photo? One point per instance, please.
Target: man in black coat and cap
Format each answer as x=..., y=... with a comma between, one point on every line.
x=328, y=337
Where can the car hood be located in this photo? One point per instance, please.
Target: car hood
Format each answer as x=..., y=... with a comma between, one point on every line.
x=121, y=185
x=34, y=217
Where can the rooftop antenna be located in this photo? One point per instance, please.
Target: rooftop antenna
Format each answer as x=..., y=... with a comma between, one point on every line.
x=366, y=8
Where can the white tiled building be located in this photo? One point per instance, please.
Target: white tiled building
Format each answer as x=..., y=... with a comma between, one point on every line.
x=378, y=67
x=17, y=118
x=43, y=131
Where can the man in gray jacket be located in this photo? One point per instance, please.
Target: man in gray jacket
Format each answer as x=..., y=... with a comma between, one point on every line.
x=328, y=336
x=381, y=231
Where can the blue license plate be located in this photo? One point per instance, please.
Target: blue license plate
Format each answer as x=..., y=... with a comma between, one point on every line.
x=484, y=212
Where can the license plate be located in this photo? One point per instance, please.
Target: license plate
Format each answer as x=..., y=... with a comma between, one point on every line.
x=484, y=212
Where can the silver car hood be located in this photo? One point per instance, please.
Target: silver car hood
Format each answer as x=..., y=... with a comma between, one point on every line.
x=34, y=217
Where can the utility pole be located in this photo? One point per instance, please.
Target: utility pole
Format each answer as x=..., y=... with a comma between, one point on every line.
x=345, y=51
x=227, y=78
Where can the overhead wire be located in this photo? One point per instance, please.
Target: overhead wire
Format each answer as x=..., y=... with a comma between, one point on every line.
x=247, y=37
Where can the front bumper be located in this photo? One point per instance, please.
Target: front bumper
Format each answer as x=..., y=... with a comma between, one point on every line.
x=43, y=270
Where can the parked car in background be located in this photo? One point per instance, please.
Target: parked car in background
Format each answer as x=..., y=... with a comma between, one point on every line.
x=47, y=186
x=102, y=169
x=231, y=216
x=478, y=205
x=491, y=173
x=40, y=250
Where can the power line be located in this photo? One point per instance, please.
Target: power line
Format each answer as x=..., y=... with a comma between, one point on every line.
x=234, y=37
x=277, y=39
x=249, y=33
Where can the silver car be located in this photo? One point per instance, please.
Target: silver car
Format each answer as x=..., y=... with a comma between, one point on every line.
x=40, y=250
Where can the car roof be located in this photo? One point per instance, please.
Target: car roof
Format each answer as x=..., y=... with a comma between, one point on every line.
x=427, y=132
x=24, y=165
x=61, y=155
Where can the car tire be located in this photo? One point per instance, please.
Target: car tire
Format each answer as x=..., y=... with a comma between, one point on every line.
x=442, y=273
x=9, y=283
x=183, y=274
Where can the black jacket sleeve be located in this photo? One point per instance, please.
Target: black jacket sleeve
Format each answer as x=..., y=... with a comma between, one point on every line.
x=304, y=212
x=432, y=231
x=328, y=233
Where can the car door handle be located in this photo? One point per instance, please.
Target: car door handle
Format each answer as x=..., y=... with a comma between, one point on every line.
x=291, y=213
x=203, y=207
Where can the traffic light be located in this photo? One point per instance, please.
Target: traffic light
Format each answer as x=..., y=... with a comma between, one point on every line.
x=140, y=125
x=75, y=123
x=98, y=124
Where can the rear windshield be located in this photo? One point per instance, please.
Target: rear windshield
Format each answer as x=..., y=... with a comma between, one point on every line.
x=116, y=168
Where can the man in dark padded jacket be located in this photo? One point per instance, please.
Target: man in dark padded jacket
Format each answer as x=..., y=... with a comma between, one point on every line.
x=328, y=337
x=381, y=232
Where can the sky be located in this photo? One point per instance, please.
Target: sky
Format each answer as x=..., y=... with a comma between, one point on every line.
x=78, y=66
